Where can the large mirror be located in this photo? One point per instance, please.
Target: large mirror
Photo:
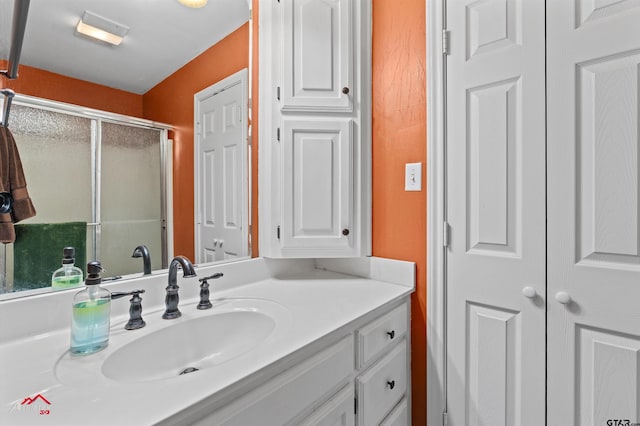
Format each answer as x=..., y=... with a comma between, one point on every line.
x=118, y=141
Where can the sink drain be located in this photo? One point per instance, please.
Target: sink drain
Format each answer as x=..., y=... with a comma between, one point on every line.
x=188, y=370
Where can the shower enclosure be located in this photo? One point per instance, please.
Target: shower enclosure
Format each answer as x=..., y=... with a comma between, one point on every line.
x=101, y=173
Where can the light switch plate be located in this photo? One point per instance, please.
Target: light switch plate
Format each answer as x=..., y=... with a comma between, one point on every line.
x=413, y=177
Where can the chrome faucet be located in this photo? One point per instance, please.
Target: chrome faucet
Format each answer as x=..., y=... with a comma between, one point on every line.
x=171, y=299
x=143, y=252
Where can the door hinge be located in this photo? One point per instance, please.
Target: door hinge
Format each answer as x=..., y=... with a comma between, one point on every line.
x=278, y=231
x=445, y=418
x=278, y=93
x=355, y=405
x=278, y=134
x=445, y=42
x=445, y=234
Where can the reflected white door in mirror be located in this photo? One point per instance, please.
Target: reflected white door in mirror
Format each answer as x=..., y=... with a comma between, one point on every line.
x=221, y=176
x=315, y=155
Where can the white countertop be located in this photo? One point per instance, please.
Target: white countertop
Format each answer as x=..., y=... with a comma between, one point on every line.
x=318, y=301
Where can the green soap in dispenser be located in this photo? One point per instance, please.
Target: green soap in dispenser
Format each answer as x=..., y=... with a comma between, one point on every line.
x=91, y=314
x=69, y=275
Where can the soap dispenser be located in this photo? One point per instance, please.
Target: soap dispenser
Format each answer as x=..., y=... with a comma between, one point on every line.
x=69, y=275
x=91, y=314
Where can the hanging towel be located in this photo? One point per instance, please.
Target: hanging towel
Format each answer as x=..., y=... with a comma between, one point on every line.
x=38, y=250
x=12, y=181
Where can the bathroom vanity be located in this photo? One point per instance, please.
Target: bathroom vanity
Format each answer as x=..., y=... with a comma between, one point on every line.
x=286, y=342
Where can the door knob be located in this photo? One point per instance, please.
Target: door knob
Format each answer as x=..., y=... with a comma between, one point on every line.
x=529, y=292
x=345, y=90
x=563, y=297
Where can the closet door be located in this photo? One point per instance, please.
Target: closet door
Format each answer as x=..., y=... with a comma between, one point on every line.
x=495, y=209
x=593, y=62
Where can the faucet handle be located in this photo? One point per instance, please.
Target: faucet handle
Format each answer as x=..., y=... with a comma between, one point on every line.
x=204, y=291
x=211, y=277
x=135, y=309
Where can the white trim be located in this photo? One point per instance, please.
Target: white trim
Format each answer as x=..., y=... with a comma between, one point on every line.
x=436, y=309
x=265, y=129
x=240, y=77
x=81, y=111
x=364, y=173
x=168, y=182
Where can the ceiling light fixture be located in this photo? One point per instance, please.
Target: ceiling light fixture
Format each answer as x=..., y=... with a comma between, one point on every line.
x=102, y=29
x=194, y=3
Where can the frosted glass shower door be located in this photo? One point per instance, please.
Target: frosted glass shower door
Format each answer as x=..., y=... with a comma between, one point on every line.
x=56, y=154
x=130, y=197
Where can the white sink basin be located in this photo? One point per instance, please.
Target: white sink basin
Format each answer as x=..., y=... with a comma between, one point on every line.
x=167, y=349
x=196, y=343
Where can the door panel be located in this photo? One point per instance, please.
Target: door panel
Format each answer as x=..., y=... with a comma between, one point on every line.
x=609, y=366
x=492, y=342
x=593, y=241
x=492, y=167
x=316, y=211
x=496, y=212
x=318, y=52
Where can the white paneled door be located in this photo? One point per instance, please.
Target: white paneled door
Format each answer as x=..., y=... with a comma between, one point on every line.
x=496, y=213
x=543, y=212
x=221, y=172
x=593, y=58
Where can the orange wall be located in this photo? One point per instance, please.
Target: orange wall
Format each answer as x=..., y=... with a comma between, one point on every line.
x=171, y=101
x=399, y=137
x=48, y=85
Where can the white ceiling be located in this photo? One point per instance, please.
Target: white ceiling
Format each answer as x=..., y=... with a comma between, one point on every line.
x=164, y=35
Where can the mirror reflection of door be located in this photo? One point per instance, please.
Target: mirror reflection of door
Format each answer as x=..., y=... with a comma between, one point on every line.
x=221, y=170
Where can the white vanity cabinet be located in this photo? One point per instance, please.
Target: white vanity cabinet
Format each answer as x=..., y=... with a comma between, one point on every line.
x=315, y=128
x=362, y=379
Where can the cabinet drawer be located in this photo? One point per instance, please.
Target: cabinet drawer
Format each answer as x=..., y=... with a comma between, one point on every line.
x=382, y=386
x=380, y=334
x=399, y=416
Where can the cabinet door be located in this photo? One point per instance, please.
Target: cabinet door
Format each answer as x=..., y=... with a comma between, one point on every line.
x=317, y=188
x=318, y=49
x=338, y=411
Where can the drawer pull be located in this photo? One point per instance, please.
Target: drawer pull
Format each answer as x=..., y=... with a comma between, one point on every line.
x=391, y=384
x=391, y=334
